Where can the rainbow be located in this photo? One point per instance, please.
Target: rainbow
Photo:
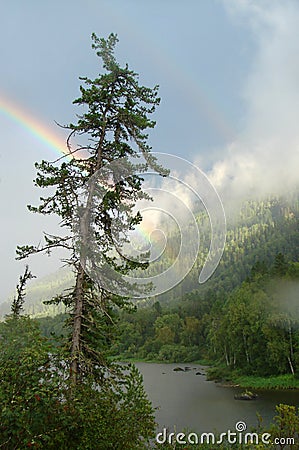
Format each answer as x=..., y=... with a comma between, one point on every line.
x=144, y=229
x=185, y=81
x=35, y=127
x=54, y=142
x=143, y=234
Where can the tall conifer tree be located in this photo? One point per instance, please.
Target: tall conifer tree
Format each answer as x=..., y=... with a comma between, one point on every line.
x=113, y=126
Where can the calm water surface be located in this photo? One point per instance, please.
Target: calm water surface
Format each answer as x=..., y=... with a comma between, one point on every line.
x=186, y=400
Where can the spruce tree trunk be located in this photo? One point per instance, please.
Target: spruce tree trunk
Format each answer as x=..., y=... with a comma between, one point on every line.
x=77, y=326
x=79, y=291
x=84, y=225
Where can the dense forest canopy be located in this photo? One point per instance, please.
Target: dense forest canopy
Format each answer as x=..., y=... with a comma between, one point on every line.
x=256, y=232
x=245, y=317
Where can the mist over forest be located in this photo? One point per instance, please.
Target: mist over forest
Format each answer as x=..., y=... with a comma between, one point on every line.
x=148, y=217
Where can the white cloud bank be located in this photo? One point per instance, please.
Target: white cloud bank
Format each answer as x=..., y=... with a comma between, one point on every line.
x=264, y=158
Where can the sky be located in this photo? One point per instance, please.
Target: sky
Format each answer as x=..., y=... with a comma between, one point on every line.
x=228, y=76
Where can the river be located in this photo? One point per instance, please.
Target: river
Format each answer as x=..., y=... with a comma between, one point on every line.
x=188, y=401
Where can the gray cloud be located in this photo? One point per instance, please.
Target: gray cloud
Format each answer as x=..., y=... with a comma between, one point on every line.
x=264, y=158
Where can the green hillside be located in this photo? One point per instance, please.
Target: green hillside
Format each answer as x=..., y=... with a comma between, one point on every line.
x=257, y=232
x=41, y=290
x=244, y=320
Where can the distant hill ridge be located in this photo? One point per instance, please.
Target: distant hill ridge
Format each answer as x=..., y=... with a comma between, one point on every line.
x=43, y=289
x=258, y=232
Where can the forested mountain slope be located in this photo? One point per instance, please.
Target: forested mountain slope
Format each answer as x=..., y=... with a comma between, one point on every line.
x=245, y=317
x=253, y=328
x=41, y=290
x=256, y=232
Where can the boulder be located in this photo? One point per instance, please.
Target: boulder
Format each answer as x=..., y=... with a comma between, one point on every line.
x=247, y=395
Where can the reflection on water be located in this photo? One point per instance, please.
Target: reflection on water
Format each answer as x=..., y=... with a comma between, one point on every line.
x=187, y=400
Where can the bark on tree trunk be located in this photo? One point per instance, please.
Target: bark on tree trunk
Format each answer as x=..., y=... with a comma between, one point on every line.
x=246, y=349
x=79, y=288
x=77, y=326
x=226, y=357
x=291, y=340
x=291, y=366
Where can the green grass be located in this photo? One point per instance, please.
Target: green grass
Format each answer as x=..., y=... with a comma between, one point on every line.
x=224, y=375
x=274, y=382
